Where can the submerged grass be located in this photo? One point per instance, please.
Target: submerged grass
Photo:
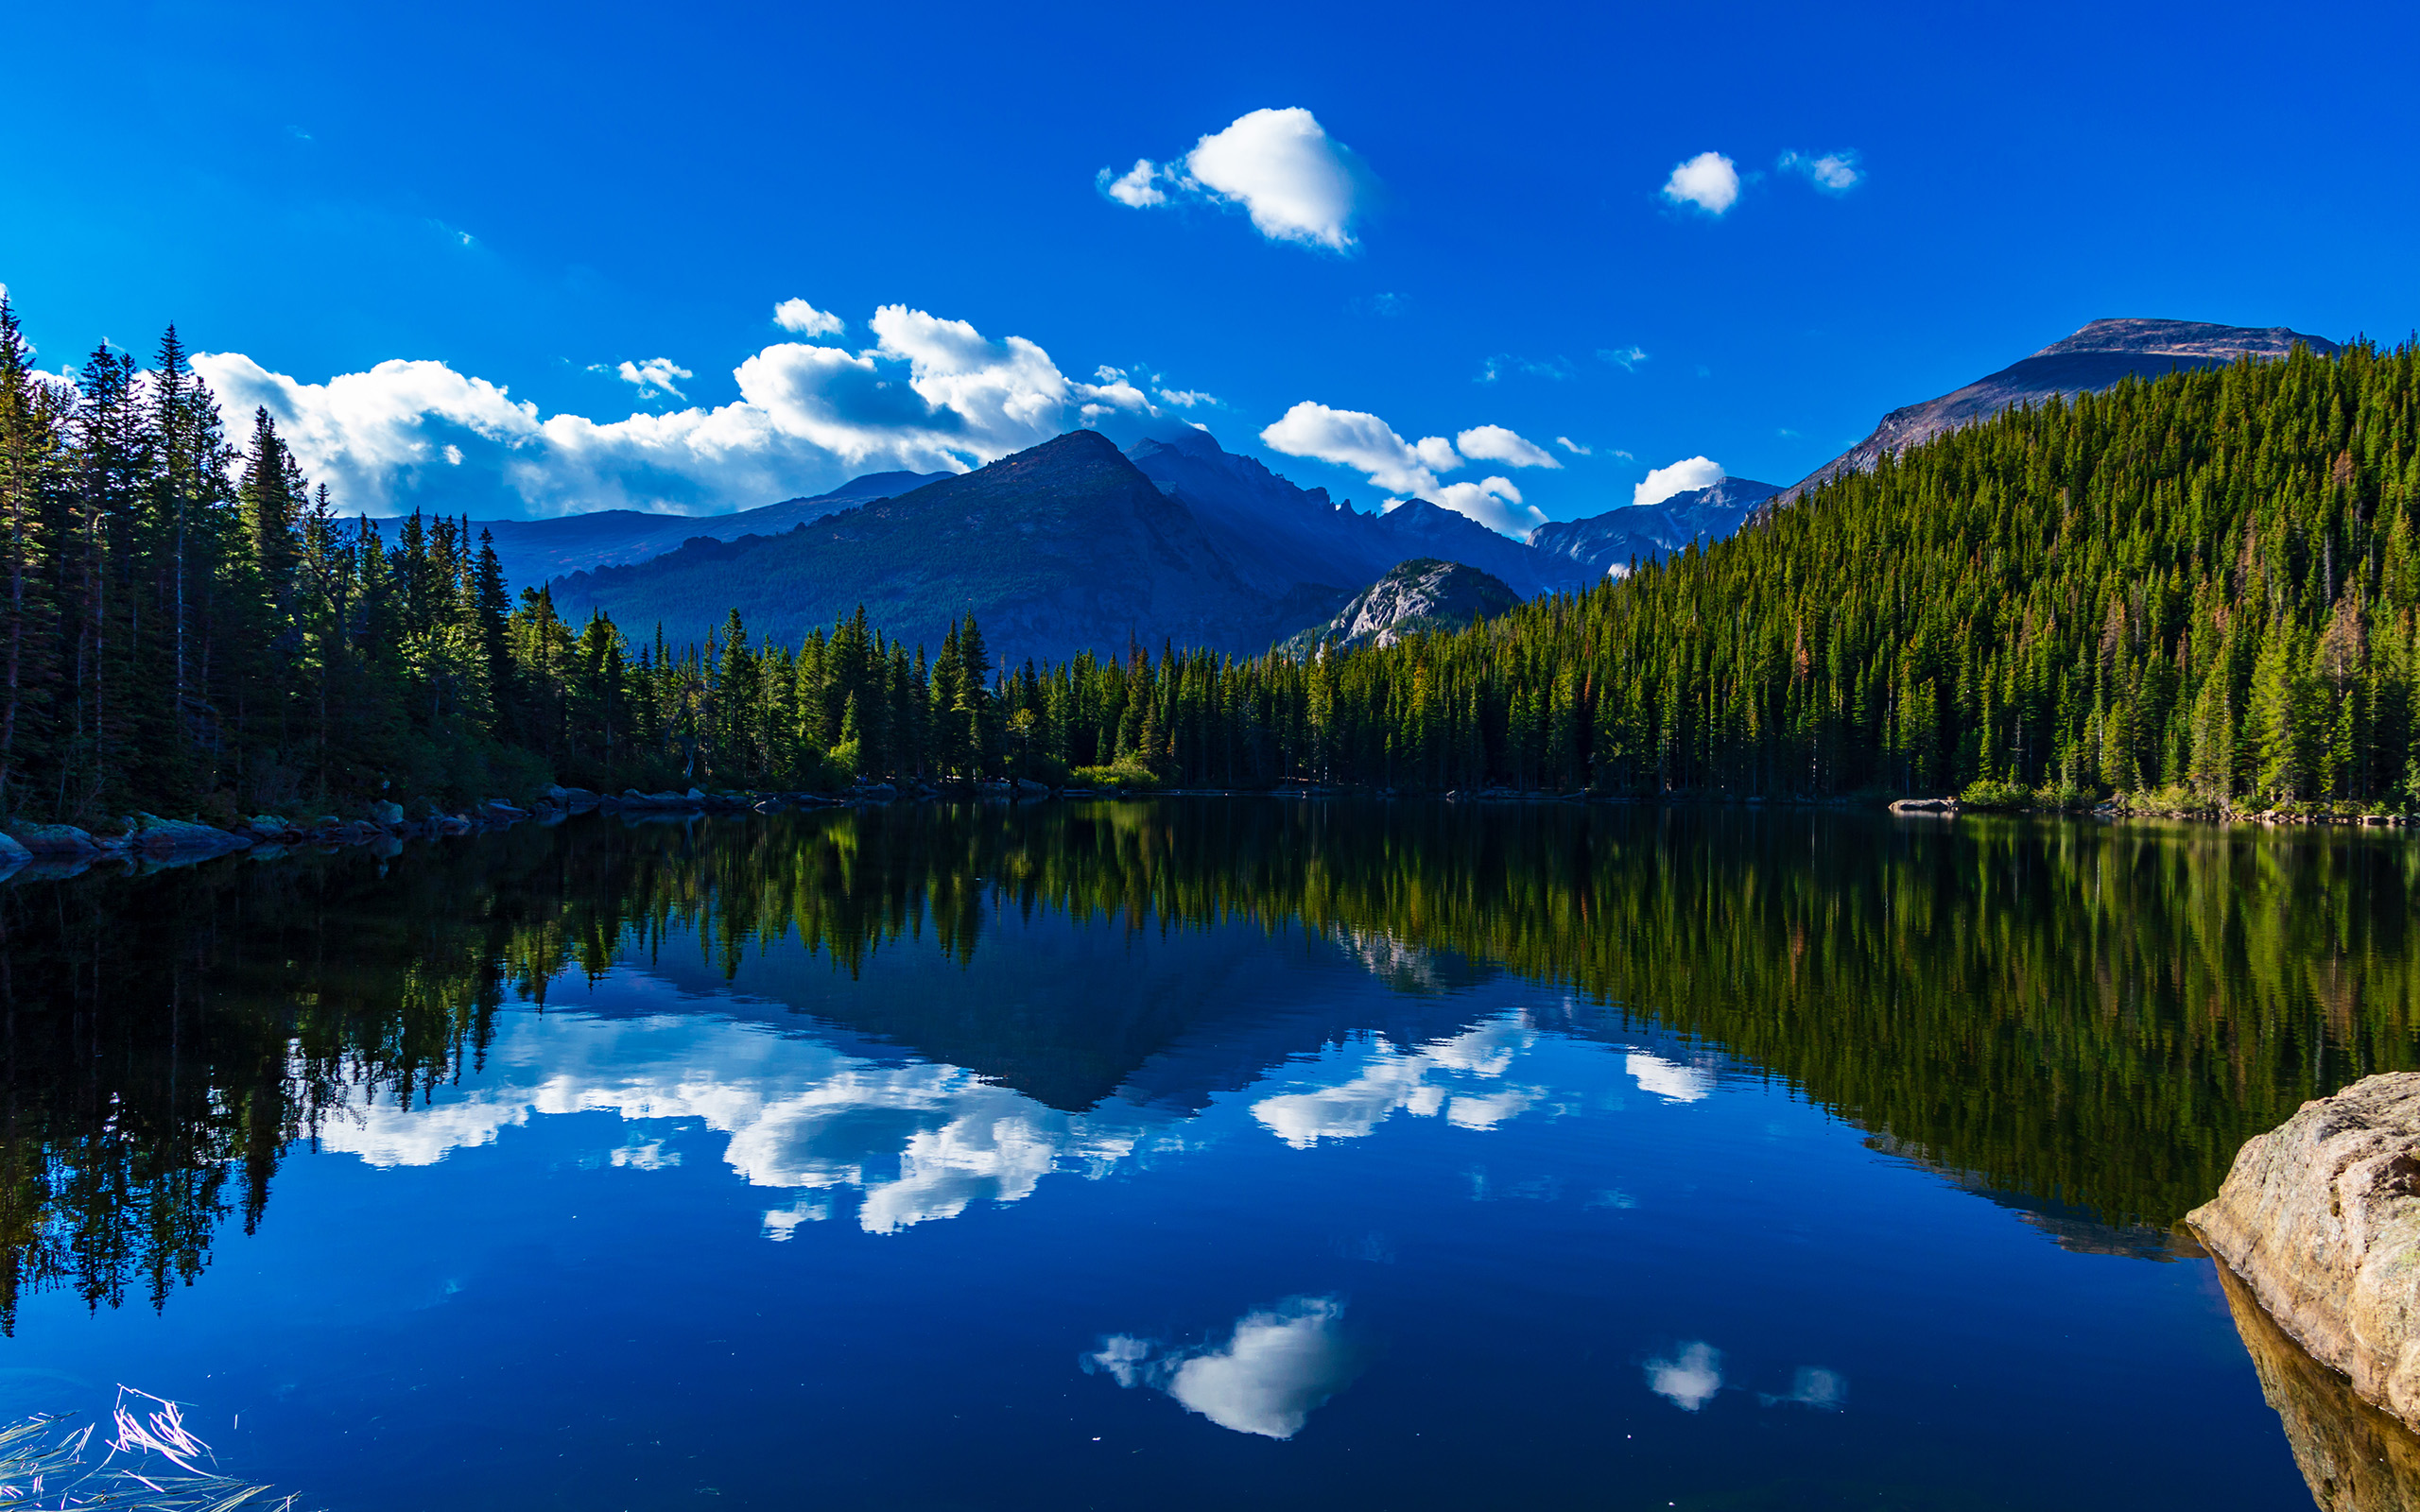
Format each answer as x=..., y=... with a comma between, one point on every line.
x=151, y=1463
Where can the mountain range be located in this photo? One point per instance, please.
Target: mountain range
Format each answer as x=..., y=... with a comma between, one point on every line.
x=1074, y=545
x=1067, y=546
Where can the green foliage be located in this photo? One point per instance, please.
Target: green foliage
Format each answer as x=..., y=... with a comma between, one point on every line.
x=1983, y=793
x=1125, y=772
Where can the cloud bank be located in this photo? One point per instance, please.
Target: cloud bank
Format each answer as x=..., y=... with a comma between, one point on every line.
x=1408, y=470
x=929, y=394
x=1279, y=166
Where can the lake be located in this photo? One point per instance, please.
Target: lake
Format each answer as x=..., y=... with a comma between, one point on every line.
x=1194, y=1153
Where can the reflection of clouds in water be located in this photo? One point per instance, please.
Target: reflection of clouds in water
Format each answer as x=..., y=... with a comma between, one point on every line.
x=920, y=1140
x=1670, y=1080
x=1423, y=1082
x=1690, y=1379
x=651, y=1156
x=1277, y=1368
x=1812, y=1386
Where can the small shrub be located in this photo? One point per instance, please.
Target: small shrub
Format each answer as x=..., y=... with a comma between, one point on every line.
x=1124, y=772
x=1986, y=793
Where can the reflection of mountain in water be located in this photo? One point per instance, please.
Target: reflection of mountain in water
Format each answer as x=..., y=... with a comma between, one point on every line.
x=2088, y=1020
x=914, y=1140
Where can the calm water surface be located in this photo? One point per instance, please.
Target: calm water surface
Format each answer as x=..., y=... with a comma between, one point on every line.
x=1185, y=1155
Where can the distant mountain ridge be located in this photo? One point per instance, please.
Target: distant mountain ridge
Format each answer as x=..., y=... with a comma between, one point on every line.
x=1608, y=543
x=1281, y=537
x=532, y=551
x=2095, y=357
x=1064, y=547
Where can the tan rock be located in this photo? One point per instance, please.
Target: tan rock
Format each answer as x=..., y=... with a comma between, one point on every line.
x=2320, y=1219
x=2355, y=1457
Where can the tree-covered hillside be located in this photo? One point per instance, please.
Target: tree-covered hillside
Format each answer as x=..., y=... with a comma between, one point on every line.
x=2203, y=587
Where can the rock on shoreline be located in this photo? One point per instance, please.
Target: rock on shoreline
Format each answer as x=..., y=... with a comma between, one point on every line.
x=2320, y=1219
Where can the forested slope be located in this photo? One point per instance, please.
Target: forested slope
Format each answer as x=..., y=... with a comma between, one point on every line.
x=2202, y=586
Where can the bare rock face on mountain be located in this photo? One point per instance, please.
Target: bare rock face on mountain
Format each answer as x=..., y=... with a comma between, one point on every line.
x=2320, y=1219
x=1421, y=594
x=2094, y=358
x=1608, y=543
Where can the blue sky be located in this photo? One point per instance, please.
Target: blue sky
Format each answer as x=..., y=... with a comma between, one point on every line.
x=1451, y=228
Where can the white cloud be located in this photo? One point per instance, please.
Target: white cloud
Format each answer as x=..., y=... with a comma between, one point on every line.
x=1626, y=358
x=1362, y=441
x=1573, y=447
x=1663, y=482
x=1276, y=1368
x=1443, y=1076
x=654, y=376
x=1133, y=187
x=1834, y=172
x=1708, y=181
x=921, y=1142
x=1494, y=503
x=1691, y=1379
x=1296, y=183
x=806, y=320
x=931, y=394
x=1670, y=1080
x=1495, y=443
x=1187, y=399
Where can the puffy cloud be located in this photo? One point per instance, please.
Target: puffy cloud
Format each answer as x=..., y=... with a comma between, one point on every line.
x=1296, y=183
x=1668, y=1079
x=1573, y=447
x=1362, y=441
x=1493, y=502
x=804, y=320
x=1708, y=181
x=1662, y=483
x=1493, y=443
x=1834, y=172
x=1276, y=1368
x=1690, y=1379
x=1354, y=439
x=1134, y=188
x=655, y=376
x=931, y=394
x=1626, y=358
x=1187, y=399
x=1461, y=1077
x=921, y=1142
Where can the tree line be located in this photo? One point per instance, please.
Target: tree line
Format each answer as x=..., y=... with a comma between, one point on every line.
x=2199, y=590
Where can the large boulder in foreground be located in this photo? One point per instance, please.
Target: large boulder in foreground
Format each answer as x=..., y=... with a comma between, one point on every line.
x=2320, y=1218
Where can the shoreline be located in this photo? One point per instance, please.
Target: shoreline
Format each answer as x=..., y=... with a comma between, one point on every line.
x=58, y=853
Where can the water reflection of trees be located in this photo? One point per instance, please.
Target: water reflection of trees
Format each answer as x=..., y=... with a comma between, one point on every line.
x=2094, y=1017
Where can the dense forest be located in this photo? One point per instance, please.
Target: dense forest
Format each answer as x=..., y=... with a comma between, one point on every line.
x=2200, y=591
